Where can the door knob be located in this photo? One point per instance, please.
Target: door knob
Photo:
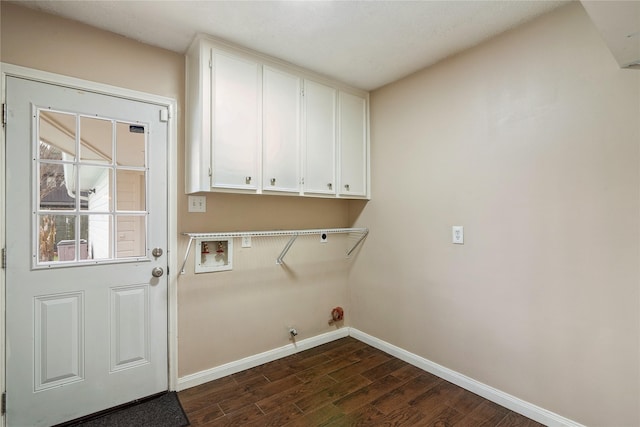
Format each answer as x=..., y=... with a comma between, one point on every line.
x=157, y=252
x=157, y=272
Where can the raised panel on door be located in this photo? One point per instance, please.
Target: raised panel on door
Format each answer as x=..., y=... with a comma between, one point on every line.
x=281, y=131
x=353, y=145
x=129, y=329
x=59, y=340
x=236, y=122
x=320, y=138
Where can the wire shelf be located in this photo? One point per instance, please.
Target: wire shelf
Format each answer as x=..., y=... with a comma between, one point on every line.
x=293, y=233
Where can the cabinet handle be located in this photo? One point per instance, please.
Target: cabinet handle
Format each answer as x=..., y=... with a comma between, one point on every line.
x=346, y=187
x=330, y=185
x=247, y=180
x=273, y=181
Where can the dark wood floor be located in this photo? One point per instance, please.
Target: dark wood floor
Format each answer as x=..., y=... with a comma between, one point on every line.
x=342, y=383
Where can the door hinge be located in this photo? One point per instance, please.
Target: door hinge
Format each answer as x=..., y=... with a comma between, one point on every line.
x=4, y=258
x=3, y=410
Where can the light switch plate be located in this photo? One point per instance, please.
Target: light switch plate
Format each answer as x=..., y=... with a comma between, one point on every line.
x=457, y=235
x=246, y=241
x=197, y=203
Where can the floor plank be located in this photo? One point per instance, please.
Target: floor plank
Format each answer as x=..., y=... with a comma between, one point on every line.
x=401, y=396
x=332, y=393
x=272, y=403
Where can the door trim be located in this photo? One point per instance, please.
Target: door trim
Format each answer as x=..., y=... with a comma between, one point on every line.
x=7, y=70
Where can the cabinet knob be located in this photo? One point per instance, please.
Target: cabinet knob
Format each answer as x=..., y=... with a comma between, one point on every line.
x=330, y=185
x=247, y=180
x=346, y=187
x=273, y=181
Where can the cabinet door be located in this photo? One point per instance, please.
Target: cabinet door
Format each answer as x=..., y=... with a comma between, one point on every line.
x=280, y=131
x=320, y=138
x=353, y=145
x=236, y=118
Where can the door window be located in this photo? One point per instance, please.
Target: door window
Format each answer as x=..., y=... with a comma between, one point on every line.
x=91, y=189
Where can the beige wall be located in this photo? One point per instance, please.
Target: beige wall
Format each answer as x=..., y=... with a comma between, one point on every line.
x=226, y=316
x=531, y=142
x=44, y=42
x=222, y=316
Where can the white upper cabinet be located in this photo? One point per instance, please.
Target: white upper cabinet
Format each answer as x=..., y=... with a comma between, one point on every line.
x=319, y=162
x=352, y=140
x=281, y=110
x=235, y=122
x=258, y=125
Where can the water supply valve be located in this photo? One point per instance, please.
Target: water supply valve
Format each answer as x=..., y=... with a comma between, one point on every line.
x=337, y=314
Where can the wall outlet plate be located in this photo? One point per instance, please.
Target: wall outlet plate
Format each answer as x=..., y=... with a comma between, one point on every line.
x=246, y=241
x=324, y=237
x=457, y=235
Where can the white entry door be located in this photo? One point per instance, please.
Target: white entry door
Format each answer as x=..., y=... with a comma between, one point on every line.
x=86, y=221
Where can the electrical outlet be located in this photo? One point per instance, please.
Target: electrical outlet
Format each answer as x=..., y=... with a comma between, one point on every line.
x=197, y=203
x=324, y=237
x=246, y=241
x=457, y=235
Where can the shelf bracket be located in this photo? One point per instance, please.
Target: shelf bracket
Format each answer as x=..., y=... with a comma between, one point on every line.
x=362, y=236
x=286, y=249
x=186, y=255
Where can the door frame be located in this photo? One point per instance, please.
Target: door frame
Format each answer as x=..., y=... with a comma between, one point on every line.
x=7, y=70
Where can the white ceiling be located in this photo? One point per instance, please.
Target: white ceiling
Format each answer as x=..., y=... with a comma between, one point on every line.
x=366, y=44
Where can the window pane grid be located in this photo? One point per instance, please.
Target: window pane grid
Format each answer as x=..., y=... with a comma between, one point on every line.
x=88, y=207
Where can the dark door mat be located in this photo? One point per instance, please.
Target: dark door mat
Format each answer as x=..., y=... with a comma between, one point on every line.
x=162, y=411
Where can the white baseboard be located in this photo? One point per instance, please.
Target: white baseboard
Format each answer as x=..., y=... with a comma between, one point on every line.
x=202, y=377
x=520, y=406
